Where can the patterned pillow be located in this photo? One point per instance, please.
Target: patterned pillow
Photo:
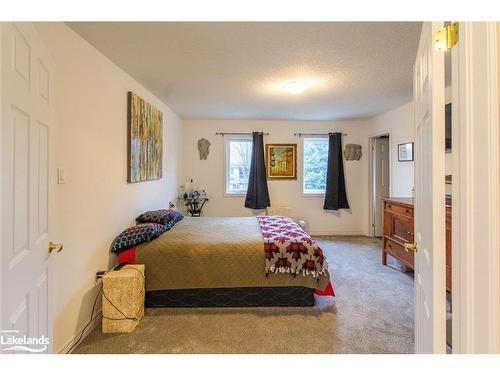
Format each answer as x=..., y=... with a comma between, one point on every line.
x=175, y=219
x=158, y=216
x=135, y=235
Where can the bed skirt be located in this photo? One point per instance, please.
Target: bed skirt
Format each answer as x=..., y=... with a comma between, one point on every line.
x=232, y=297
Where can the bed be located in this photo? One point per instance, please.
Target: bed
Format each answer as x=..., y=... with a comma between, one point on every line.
x=219, y=261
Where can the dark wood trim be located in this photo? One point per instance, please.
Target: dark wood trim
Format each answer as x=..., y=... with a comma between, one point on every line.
x=403, y=201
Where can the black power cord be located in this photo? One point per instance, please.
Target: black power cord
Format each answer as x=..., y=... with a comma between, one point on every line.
x=125, y=317
x=90, y=321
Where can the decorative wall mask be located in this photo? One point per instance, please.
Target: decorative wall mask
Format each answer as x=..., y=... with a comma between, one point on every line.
x=352, y=152
x=203, y=148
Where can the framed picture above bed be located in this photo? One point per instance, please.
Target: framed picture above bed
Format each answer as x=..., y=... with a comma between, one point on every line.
x=281, y=161
x=145, y=140
x=405, y=151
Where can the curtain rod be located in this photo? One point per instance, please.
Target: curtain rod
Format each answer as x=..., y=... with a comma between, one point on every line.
x=301, y=134
x=223, y=134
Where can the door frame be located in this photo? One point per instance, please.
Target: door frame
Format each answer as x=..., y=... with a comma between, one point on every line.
x=371, y=186
x=475, y=188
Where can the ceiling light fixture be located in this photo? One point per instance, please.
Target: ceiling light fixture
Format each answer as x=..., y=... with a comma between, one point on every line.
x=295, y=87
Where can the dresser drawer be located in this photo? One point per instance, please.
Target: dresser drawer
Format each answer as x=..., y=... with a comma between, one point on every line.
x=398, y=251
x=448, y=249
x=396, y=208
x=400, y=228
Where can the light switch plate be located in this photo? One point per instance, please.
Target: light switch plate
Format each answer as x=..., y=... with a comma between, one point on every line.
x=61, y=178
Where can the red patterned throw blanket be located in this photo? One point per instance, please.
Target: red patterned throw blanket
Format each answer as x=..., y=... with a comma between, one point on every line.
x=289, y=249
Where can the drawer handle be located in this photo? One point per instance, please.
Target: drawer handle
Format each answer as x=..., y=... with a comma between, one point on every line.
x=411, y=247
x=408, y=211
x=389, y=206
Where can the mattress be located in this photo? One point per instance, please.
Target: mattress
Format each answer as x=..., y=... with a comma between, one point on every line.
x=213, y=252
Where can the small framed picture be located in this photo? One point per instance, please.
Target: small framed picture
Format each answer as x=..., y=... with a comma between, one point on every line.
x=281, y=161
x=405, y=151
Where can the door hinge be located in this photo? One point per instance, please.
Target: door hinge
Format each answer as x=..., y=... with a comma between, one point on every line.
x=446, y=37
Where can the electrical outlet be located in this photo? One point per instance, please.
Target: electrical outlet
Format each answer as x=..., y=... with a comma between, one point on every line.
x=99, y=275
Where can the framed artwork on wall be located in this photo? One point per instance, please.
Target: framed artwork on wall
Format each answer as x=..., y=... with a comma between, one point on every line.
x=281, y=161
x=405, y=151
x=145, y=140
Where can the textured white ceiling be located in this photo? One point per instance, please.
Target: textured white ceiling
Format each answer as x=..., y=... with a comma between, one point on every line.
x=234, y=70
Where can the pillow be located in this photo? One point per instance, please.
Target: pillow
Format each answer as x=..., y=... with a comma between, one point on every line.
x=158, y=216
x=136, y=235
x=177, y=216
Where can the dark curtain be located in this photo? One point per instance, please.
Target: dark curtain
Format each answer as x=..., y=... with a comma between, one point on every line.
x=335, y=195
x=257, y=193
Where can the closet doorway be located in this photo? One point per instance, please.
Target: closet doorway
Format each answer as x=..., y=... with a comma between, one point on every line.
x=380, y=180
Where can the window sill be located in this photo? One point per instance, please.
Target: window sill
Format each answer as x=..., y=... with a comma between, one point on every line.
x=313, y=194
x=226, y=194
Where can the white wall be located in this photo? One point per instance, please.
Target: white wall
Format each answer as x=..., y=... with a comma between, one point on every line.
x=209, y=174
x=96, y=203
x=399, y=123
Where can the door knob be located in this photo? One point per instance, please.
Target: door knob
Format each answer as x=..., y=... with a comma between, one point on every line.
x=411, y=247
x=55, y=246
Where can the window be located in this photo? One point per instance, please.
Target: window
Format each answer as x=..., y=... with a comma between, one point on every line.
x=315, y=165
x=238, y=156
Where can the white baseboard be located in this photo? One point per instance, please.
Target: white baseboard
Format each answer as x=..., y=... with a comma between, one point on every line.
x=66, y=348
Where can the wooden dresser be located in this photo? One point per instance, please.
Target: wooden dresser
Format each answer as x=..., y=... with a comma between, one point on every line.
x=398, y=229
x=448, y=244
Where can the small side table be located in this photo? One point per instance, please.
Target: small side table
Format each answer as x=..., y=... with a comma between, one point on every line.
x=123, y=299
x=194, y=206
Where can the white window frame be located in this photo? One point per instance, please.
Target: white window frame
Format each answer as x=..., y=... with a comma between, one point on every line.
x=310, y=193
x=227, y=141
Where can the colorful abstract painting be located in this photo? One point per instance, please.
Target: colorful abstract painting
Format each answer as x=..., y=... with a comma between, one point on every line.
x=281, y=161
x=145, y=140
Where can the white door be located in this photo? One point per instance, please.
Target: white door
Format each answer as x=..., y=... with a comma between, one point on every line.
x=26, y=136
x=382, y=180
x=428, y=93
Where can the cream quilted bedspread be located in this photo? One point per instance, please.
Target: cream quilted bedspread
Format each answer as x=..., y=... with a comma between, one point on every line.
x=213, y=252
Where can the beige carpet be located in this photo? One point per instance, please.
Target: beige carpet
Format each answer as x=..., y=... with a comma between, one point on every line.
x=372, y=313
